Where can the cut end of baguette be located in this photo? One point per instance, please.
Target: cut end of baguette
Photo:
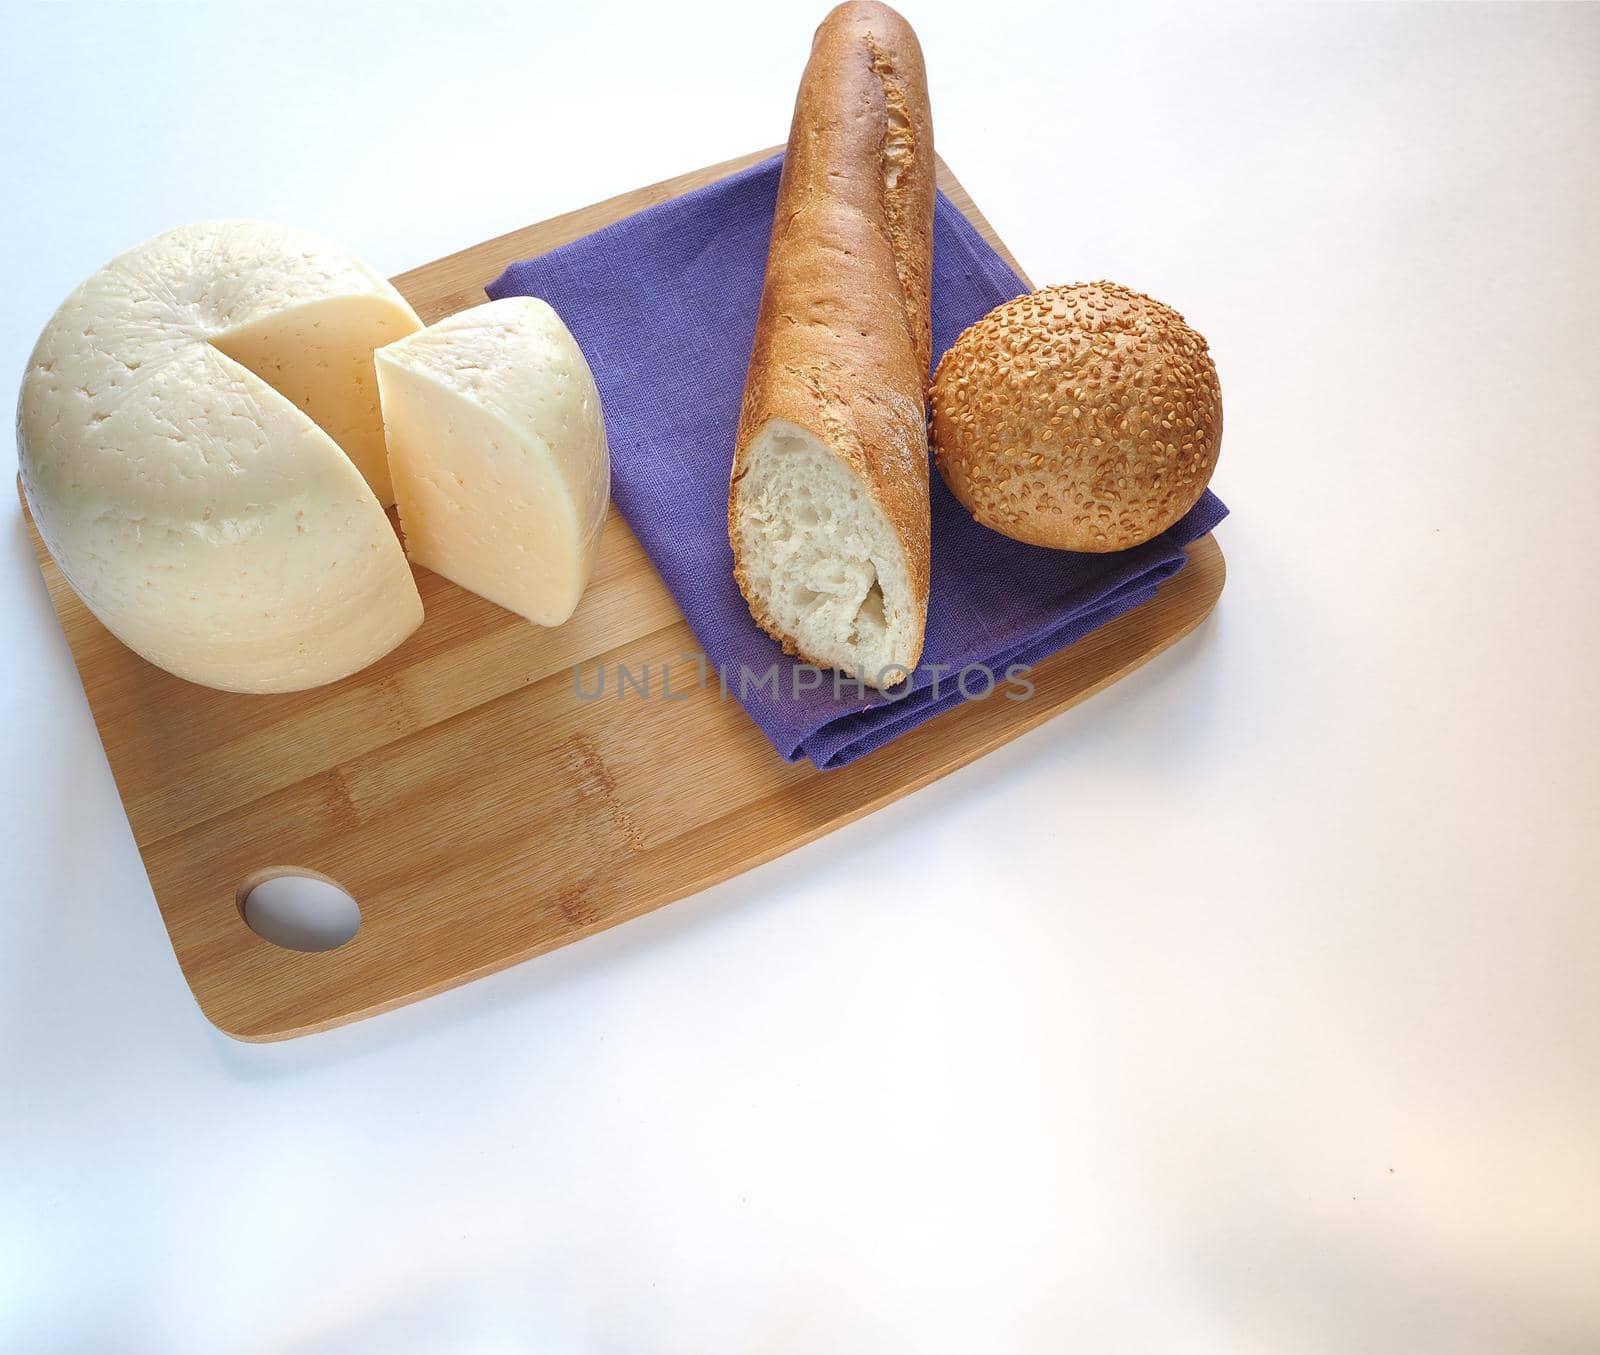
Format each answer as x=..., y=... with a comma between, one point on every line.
x=819, y=562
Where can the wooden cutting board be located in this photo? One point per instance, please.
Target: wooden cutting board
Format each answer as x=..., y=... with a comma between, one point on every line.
x=478, y=811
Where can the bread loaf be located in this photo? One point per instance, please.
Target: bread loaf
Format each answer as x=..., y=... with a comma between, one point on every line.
x=1085, y=418
x=828, y=505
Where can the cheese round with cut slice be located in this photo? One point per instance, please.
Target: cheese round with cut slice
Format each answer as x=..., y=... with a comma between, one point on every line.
x=497, y=446
x=202, y=451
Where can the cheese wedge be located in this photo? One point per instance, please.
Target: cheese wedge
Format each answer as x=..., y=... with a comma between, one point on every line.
x=201, y=448
x=498, y=451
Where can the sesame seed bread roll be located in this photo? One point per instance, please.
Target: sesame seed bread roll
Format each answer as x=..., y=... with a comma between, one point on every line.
x=828, y=503
x=1085, y=418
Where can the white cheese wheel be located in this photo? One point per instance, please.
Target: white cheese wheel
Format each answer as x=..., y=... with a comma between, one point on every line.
x=497, y=446
x=193, y=430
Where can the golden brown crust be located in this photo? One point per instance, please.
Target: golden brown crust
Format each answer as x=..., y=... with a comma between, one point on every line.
x=1085, y=418
x=844, y=330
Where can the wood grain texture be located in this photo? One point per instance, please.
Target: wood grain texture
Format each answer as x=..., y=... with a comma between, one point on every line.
x=478, y=810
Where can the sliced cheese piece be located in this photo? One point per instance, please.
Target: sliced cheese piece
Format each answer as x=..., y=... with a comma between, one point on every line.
x=174, y=440
x=497, y=447
x=319, y=355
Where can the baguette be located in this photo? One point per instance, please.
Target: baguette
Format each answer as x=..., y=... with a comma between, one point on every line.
x=828, y=501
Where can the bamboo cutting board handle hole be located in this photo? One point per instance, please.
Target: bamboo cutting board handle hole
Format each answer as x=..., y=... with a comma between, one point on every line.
x=298, y=909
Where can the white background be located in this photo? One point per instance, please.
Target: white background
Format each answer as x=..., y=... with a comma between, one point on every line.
x=1250, y=1007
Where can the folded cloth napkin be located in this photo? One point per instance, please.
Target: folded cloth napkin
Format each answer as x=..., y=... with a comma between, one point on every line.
x=663, y=304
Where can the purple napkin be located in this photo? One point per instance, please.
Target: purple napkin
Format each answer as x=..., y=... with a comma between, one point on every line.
x=663, y=305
